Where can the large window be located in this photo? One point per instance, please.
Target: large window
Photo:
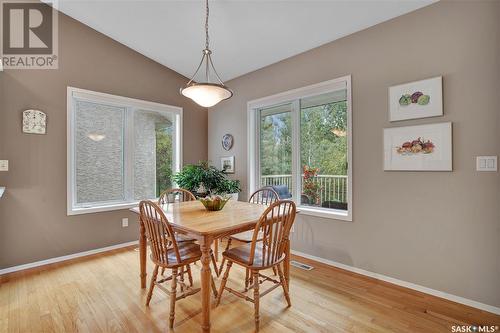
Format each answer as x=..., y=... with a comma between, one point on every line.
x=300, y=144
x=120, y=150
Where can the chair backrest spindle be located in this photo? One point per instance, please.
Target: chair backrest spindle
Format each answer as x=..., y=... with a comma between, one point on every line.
x=169, y=196
x=274, y=228
x=264, y=196
x=159, y=232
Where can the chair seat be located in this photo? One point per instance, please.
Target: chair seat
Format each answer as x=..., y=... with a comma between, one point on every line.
x=246, y=236
x=241, y=255
x=189, y=252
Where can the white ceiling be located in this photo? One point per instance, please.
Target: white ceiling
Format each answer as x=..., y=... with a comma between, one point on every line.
x=244, y=35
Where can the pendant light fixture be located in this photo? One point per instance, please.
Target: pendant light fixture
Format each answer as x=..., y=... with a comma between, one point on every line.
x=206, y=94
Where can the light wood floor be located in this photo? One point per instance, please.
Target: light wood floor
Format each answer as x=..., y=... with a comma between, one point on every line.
x=102, y=294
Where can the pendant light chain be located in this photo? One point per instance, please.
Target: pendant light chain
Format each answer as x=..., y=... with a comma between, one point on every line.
x=207, y=58
x=207, y=49
x=206, y=26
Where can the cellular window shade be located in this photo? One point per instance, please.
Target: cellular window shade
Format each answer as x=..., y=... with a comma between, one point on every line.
x=99, y=152
x=331, y=97
x=276, y=110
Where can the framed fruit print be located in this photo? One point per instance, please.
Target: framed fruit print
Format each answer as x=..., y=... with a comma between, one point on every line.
x=419, y=99
x=418, y=148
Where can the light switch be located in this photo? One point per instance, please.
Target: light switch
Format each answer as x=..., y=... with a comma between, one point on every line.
x=4, y=165
x=486, y=163
x=490, y=163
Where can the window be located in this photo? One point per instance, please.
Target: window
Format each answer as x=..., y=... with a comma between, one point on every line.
x=276, y=146
x=120, y=150
x=299, y=143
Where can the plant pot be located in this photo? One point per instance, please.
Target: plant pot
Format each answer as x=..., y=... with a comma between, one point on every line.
x=234, y=196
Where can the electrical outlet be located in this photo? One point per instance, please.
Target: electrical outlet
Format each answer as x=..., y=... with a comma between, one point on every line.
x=124, y=222
x=4, y=165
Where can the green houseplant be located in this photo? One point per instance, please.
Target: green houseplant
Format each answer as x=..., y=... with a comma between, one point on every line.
x=204, y=179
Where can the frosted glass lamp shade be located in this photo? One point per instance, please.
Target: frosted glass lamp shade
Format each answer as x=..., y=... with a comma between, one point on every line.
x=206, y=94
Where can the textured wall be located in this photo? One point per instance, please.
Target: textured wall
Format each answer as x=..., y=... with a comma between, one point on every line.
x=33, y=221
x=437, y=229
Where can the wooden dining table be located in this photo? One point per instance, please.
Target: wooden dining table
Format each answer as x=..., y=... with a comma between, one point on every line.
x=192, y=219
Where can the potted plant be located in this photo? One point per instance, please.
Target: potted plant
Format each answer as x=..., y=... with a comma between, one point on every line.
x=204, y=179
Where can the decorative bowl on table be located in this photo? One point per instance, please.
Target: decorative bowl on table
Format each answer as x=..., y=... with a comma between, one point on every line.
x=214, y=202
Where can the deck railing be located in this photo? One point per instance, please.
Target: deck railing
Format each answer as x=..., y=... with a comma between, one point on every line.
x=331, y=187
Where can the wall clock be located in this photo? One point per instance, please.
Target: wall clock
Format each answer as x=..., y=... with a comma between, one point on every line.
x=34, y=122
x=227, y=141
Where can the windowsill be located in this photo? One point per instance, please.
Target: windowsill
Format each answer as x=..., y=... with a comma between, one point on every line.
x=334, y=214
x=103, y=208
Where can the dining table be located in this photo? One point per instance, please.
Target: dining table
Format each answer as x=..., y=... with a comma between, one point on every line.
x=191, y=219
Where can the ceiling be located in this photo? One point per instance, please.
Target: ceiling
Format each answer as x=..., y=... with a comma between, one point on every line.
x=244, y=35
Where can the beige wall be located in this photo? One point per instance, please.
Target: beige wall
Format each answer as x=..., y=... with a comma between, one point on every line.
x=33, y=221
x=437, y=229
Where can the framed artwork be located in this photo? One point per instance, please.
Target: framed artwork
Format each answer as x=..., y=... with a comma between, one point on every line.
x=419, y=99
x=34, y=122
x=227, y=141
x=227, y=164
x=418, y=148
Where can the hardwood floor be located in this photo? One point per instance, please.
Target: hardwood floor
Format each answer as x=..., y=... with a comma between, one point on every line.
x=101, y=294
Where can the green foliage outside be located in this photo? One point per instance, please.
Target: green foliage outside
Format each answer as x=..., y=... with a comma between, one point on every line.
x=164, y=155
x=323, y=140
x=276, y=144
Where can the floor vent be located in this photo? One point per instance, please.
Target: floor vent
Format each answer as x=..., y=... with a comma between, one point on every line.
x=301, y=265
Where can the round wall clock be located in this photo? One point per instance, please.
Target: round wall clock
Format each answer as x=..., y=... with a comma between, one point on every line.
x=34, y=122
x=227, y=141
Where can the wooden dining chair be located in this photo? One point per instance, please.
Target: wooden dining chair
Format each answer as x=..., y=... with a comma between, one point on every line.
x=263, y=196
x=181, y=195
x=175, y=195
x=274, y=227
x=167, y=253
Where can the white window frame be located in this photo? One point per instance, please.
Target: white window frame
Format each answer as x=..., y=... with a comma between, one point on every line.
x=131, y=104
x=293, y=96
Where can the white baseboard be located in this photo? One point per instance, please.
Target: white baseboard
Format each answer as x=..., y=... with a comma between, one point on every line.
x=64, y=258
x=409, y=285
